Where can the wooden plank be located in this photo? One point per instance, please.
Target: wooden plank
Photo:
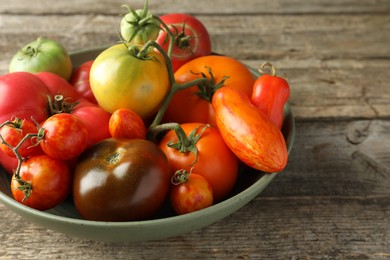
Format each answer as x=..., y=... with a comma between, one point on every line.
x=196, y=7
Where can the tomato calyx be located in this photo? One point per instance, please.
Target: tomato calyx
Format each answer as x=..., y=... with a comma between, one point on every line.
x=33, y=49
x=180, y=176
x=208, y=88
x=60, y=104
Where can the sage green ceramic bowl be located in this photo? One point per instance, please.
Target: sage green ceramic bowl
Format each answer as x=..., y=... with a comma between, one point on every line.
x=65, y=219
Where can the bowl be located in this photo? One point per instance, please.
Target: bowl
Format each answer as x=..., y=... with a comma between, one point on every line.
x=65, y=219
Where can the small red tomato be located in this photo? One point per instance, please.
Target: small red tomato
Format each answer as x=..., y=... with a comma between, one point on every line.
x=8, y=163
x=14, y=132
x=65, y=136
x=125, y=123
x=44, y=182
x=190, y=192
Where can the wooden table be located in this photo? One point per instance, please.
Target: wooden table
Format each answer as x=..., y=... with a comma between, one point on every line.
x=333, y=199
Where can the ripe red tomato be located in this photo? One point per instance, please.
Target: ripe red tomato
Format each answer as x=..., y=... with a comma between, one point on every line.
x=191, y=38
x=215, y=160
x=58, y=86
x=22, y=95
x=49, y=181
x=249, y=132
x=13, y=134
x=80, y=81
x=125, y=123
x=65, y=136
x=121, y=180
x=194, y=104
x=8, y=163
x=191, y=193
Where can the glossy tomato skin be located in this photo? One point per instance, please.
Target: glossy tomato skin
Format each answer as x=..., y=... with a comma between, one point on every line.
x=249, y=132
x=195, y=41
x=120, y=80
x=51, y=182
x=58, y=86
x=43, y=55
x=125, y=123
x=13, y=135
x=22, y=95
x=65, y=136
x=80, y=81
x=191, y=195
x=121, y=180
x=187, y=106
x=8, y=163
x=215, y=160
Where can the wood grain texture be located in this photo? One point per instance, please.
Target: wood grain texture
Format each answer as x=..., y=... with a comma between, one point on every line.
x=333, y=199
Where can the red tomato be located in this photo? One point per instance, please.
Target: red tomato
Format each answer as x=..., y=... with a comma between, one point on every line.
x=58, y=86
x=22, y=95
x=191, y=193
x=8, y=163
x=125, y=123
x=13, y=134
x=249, y=132
x=80, y=81
x=194, y=104
x=191, y=38
x=270, y=94
x=95, y=119
x=48, y=182
x=65, y=136
x=215, y=160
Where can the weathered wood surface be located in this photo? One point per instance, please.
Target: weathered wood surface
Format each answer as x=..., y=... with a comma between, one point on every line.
x=332, y=201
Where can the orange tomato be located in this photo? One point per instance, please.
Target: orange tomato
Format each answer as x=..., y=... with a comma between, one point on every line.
x=194, y=104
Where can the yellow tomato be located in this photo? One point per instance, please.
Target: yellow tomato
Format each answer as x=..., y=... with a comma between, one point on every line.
x=119, y=79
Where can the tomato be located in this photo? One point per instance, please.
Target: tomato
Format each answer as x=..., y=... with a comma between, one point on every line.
x=139, y=26
x=7, y=162
x=190, y=193
x=65, y=136
x=214, y=161
x=249, y=132
x=22, y=95
x=58, y=86
x=194, y=104
x=191, y=38
x=121, y=80
x=42, y=55
x=14, y=132
x=270, y=94
x=93, y=117
x=121, y=180
x=125, y=123
x=47, y=183
x=80, y=81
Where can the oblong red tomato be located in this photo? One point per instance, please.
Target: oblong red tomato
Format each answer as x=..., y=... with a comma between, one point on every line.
x=249, y=132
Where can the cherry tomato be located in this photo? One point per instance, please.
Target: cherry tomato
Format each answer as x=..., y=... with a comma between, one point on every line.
x=23, y=95
x=14, y=132
x=7, y=162
x=214, y=161
x=190, y=193
x=42, y=55
x=121, y=180
x=49, y=182
x=191, y=38
x=119, y=79
x=270, y=94
x=65, y=136
x=80, y=81
x=58, y=86
x=249, y=132
x=194, y=104
x=125, y=123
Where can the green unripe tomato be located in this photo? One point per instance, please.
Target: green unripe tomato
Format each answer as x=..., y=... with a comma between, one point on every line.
x=42, y=55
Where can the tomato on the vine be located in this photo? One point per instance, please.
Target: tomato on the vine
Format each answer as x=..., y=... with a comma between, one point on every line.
x=120, y=78
x=65, y=136
x=43, y=184
x=214, y=160
x=8, y=163
x=190, y=36
x=194, y=104
x=190, y=192
x=121, y=180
